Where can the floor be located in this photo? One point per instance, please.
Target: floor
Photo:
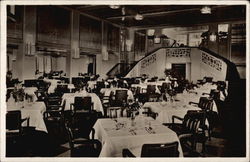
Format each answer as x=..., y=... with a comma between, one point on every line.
x=48, y=146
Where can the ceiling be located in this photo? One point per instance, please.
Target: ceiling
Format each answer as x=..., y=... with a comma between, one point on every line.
x=162, y=15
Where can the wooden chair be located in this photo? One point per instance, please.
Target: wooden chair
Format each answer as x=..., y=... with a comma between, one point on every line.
x=191, y=129
x=52, y=102
x=15, y=134
x=14, y=123
x=156, y=150
x=82, y=147
x=82, y=104
x=117, y=104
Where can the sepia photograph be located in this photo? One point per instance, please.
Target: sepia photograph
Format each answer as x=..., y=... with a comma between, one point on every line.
x=116, y=80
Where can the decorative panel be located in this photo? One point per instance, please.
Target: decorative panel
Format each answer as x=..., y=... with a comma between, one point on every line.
x=113, y=38
x=90, y=33
x=15, y=29
x=178, y=52
x=53, y=25
x=139, y=43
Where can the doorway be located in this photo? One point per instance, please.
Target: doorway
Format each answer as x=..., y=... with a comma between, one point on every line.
x=179, y=71
x=92, y=65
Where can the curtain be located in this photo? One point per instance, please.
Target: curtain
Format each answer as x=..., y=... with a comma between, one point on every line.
x=47, y=64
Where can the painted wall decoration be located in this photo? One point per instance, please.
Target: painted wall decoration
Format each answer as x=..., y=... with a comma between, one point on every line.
x=178, y=52
x=211, y=61
x=148, y=61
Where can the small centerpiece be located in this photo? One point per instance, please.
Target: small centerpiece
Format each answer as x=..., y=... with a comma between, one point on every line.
x=133, y=110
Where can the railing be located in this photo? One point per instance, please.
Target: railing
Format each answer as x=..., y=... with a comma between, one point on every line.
x=122, y=69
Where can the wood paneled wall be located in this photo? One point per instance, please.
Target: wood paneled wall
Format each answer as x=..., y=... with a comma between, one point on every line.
x=90, y=33
x=53, y=25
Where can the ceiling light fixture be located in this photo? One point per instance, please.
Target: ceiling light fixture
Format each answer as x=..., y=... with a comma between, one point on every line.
x=138, y=17
x=114, y=6
x=206, y=10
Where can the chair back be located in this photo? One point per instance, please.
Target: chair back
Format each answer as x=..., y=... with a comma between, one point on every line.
x=137, y=90
x=121, y=97
x=30, y=83
x=87, y=103
x=62, y=88
x=100, y=84
x=208, y=79
x=83, y=103
x=160, y=150
x=165, y=87
x=151, y=89
x=221, y=85
x=205, y=103
x=13, y=120
x=215, y=94
x=78, y=102
x=194, y=120
x=52, y=101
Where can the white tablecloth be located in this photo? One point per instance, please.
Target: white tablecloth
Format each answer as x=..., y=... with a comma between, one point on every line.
x=206, y=88
x=31, y=91
x=92, y=84
x=114, y=140
x=166, y=110
x=34, y=111
x=69, y=97
x=53, y=84
x=107, y=91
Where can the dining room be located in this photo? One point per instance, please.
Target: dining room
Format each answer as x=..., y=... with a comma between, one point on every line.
x=126, y=80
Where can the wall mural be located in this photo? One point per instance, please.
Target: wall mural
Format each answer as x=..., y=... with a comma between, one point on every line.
x=178, y=52
x=212, y=61
x=148, y=61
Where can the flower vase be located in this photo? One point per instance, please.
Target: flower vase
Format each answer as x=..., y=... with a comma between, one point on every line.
x=132, y=118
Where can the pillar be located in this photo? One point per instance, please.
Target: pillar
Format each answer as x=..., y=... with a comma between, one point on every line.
x=130, y=45
x=25, y=61
x=74, y=44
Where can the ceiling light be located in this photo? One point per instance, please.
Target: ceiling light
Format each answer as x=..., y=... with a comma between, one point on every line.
x=138, y=17
x=114, y=6
x=206, y=10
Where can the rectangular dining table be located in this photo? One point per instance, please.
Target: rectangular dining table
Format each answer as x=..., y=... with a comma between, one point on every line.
x=69, y=99
x=32, y=110
x=120, y=133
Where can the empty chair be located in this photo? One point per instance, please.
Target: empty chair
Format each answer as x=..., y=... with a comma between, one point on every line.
x=214, y=93
x=165, y=87
x=82, y=104
x=156, y=150
x=14, y=123
x=82, y=147
x=191, y=130
x=15, y=133
x=151, y=89
x=117, y=103
x=205, y=103
x=61, y=89
x=52, y=102
x=54, y=120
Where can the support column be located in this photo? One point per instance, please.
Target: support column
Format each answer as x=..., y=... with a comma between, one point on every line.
x=130, y=45
x=25, y=61
x=74, y=44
